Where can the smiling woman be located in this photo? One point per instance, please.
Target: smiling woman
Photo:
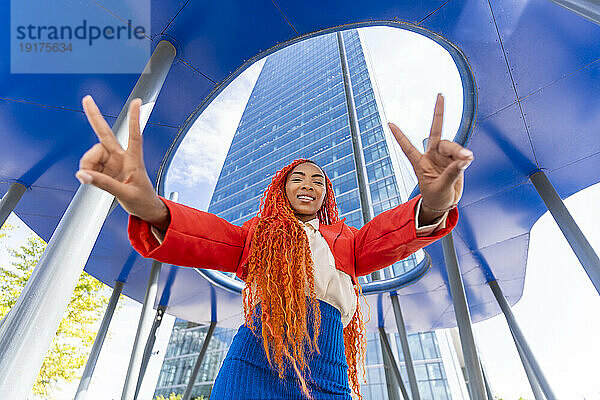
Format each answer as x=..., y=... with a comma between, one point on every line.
x=303, y=329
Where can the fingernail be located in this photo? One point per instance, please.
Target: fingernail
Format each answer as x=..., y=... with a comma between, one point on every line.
x=83, y=177
x=465, y=153
x=464, y=164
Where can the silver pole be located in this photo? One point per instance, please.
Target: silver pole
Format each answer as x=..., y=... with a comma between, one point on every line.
x=520, y=340
x=149, y=346
x=588, y=9
x=359, y=162
x=10, y=200
x=577, y=240
x=393, y=391
x=488, y=390
x=190, y=385
x=463, y=319
x=49, y=289
x=86, y=378
x=143, y=330
x=410, y=369
x=535, y=386
x=394, y=365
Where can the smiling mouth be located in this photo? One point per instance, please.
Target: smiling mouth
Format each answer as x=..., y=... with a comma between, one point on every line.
x=305, y=198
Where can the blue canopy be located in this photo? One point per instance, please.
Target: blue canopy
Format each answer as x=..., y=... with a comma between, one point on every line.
x=537, y=78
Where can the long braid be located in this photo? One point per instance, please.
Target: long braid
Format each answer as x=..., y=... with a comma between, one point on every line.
x=280, y=267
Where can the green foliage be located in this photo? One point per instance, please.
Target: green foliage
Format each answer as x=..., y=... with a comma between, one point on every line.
x=174, y=396
x=74, y=337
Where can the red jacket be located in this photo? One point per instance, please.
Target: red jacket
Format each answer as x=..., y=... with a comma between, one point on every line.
x=200, y=239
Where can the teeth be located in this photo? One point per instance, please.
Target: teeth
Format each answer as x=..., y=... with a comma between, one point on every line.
x=305, y=197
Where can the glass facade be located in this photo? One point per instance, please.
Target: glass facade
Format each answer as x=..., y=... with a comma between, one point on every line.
x=299, y=109
x=181, y=354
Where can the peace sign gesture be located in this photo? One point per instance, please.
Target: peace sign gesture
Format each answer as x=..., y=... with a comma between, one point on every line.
x=121, y=172
x=440, y=170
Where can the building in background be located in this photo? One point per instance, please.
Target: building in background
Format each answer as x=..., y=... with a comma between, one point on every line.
x=303, y=106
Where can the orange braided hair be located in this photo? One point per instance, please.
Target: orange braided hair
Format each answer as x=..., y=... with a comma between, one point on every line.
x=280, y=265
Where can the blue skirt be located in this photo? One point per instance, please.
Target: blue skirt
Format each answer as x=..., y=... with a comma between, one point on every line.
x=246, y=373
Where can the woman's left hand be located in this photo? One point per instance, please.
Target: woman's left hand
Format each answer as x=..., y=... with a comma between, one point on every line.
x=440, y=170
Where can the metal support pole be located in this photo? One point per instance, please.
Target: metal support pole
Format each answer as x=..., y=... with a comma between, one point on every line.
x=488, y=390
x=588, y=9
x=521, y=342
x=391, y=386
x=143, y=329
x=10, y=200
x=48, y=291
x=535, y=386
x=463, y=319
x=149, y=346
x=86, y=378
x=394, y=365
x=359, y=162
x=188, y=390
x=577, y=240
x=412, y=378
x=134, y=370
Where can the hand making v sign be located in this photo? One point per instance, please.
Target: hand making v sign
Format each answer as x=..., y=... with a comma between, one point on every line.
x=121, y=172
x=440, y=170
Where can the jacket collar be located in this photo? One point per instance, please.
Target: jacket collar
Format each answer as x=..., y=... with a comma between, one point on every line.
x=331, y=232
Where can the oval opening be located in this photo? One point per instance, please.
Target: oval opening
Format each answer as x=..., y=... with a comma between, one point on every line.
x=307, y=100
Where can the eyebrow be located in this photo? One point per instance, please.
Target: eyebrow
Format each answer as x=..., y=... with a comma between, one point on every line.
x=303, y=174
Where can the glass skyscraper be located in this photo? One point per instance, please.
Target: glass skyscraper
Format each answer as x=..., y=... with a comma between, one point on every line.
x=311, y=100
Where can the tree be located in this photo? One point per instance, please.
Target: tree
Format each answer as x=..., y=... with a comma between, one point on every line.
x=75, y=335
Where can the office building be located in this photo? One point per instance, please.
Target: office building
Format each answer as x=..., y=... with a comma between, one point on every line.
x=302, y=106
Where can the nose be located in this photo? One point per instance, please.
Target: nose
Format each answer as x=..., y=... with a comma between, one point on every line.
x=307, y=185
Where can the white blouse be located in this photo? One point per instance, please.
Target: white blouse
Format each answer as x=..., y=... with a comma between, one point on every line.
x=332, y=285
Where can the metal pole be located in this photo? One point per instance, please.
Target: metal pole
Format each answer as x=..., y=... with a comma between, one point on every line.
x=463, y=319
x=577, y=240
x=359, y=162
x=149, y=346
x=86, y=378
x=394, y=365
x=535, y=386
x=48, y=291
x=393, y=392
x=143, y=329
x=521, y=342
x=412, y=378
x=188, y=390
x=588, y=9
x=488, y=390
x=10, y=200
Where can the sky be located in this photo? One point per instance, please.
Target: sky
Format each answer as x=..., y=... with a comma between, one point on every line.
x=560, y=326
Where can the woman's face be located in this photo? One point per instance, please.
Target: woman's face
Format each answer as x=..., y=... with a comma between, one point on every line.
x=305, y=189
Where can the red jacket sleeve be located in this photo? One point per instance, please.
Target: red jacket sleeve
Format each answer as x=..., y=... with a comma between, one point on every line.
x=391, y=236
x=194, y=238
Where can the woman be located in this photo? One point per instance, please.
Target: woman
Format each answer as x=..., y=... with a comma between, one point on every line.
x=283, y=268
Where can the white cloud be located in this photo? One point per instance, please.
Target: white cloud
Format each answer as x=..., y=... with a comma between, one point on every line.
x=200, y=157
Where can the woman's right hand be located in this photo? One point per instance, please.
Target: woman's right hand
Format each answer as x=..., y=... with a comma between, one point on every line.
x=120, y=172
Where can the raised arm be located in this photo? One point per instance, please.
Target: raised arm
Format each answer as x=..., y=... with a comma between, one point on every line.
x=193, y=238
x=392, y=236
